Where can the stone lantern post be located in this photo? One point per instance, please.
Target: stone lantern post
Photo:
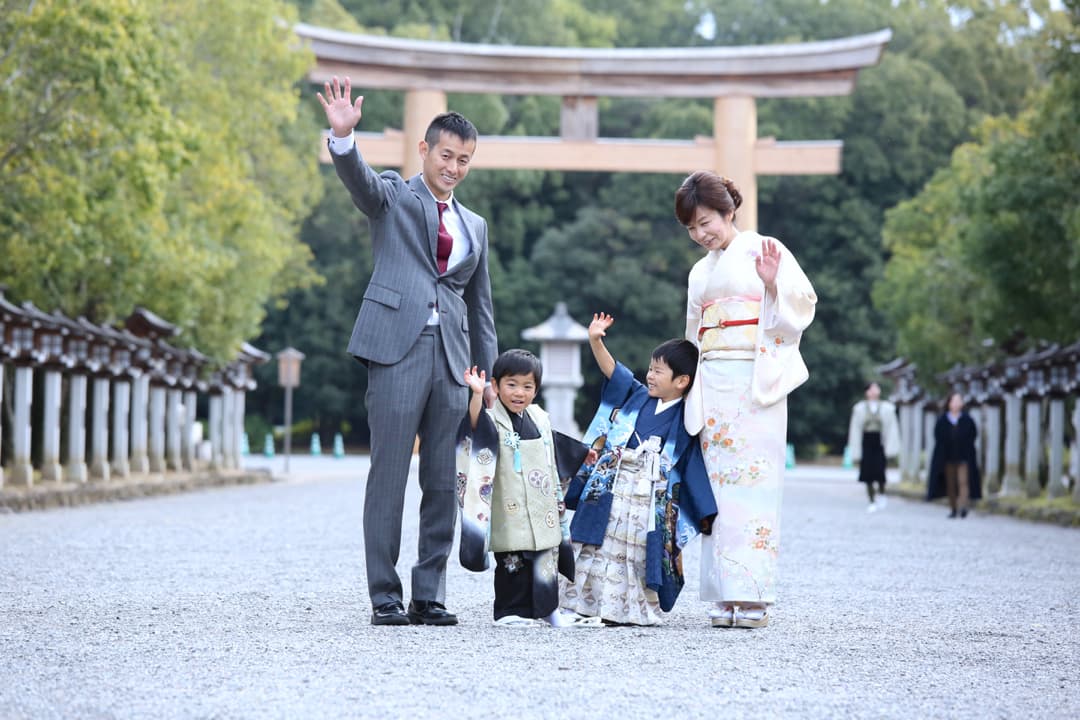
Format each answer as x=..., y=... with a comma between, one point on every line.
x=22, y=330
x=122, y=372
x=1072, y=362
x=148, y=390
x=174, y=369
x=991, y=398
x=55, y=360
x=560, y=338
x=1057, y=369
x=101, y=354
x=1012, y=386
x=83, y=365
x=1035, y=387
x=189, y=383
x=9, y=350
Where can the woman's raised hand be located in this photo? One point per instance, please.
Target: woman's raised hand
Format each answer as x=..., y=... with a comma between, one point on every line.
x=768, y=263
x=341, y=112
x=599, y=325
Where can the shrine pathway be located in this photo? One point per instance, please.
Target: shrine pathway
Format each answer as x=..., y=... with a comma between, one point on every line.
x=249, y=602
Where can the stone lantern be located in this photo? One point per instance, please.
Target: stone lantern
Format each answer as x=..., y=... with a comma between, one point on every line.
x=989, y=393
x=1058, y=366
x=55, y=359
x=1070, y=362
x=1012, y=385
x=148, y=393
x=194, y=361
x=560, y=338
x=17, y=347
x=102, y=343
x=1034, y=366
x=125, y=372
x=77, y=341
x=21, y=330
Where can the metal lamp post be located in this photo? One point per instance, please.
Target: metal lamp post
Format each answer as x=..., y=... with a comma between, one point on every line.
x=288, y=378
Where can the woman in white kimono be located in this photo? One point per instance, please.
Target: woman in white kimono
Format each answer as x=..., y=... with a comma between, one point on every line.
x=748, y=302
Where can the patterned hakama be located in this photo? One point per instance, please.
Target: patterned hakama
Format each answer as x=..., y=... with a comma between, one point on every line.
x=610, y=579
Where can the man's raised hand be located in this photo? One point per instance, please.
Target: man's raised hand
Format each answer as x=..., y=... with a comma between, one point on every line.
x=341, y=112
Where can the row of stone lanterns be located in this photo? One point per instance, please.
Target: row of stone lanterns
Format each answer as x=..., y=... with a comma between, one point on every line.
x=132, y=374
x=1019, y=405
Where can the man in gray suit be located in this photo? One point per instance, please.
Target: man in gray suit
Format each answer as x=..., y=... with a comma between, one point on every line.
x=426, y=316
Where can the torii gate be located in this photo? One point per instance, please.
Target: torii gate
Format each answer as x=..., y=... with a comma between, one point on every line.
x=733, y=76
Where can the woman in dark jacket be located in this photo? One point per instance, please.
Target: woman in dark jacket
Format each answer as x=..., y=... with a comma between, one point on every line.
x=954, y=470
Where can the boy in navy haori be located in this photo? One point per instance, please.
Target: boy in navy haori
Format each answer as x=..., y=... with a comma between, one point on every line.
x=510, y=492
x=642, y=495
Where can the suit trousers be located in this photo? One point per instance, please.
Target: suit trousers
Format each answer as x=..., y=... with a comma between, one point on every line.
x=417, y=396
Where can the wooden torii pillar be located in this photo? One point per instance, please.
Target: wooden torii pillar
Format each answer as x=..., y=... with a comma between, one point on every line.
x=734, y=76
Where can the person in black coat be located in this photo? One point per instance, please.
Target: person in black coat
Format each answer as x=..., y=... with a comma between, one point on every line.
x=954, y=470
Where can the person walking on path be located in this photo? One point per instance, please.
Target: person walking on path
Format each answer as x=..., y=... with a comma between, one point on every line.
x=873, y=436
x=954, y=469
x=426, y=313
x=748, y=303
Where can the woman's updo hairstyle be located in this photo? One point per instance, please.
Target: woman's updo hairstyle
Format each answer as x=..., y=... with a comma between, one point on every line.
x=706, y=188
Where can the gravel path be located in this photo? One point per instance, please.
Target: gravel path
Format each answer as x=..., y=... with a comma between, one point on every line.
x=250, y=602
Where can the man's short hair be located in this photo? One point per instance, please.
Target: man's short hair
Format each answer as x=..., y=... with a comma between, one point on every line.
x=449, y=122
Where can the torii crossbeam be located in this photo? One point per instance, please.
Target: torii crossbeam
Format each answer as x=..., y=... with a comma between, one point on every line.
x=733, y=76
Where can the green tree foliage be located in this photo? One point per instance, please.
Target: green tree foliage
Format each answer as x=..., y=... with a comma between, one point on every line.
x=152, y=154
x=991, y=247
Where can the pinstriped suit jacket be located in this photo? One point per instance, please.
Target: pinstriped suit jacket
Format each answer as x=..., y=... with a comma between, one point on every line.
x=405, y=283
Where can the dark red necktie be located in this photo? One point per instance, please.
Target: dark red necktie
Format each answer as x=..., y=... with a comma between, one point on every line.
x=446, y=243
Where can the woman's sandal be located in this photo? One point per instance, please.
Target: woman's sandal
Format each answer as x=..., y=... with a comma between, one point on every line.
x=742, y=620
x=722, y=617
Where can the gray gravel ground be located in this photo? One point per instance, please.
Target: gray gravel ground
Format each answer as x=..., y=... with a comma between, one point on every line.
x=249, y=602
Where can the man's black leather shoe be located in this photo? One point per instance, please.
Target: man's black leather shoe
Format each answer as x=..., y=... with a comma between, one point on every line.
x=429, y=612
x=391, y=613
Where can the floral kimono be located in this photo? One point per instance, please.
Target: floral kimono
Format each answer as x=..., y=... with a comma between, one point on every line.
x=749, y=361
x=636, y=508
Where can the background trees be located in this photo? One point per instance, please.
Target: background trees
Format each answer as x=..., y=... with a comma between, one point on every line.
x=153, y=153
x=163, y=153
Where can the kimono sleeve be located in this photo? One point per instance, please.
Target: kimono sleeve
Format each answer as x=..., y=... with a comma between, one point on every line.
x=614, y=393
x=855, y=431
x=778, y=365
x=697, y=503
x=569, y=455
x=476, y=457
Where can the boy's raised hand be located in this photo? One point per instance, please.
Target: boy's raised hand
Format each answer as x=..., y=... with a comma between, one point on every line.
x=599, y=325
x=475, y=379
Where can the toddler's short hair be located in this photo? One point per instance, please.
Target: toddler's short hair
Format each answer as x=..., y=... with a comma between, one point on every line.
x=517, y=362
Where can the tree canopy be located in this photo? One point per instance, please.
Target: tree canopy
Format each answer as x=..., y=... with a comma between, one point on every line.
x=152, y=153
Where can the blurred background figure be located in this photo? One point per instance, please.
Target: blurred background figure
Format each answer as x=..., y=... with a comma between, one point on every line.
x=953, y=469
x=873, y=436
